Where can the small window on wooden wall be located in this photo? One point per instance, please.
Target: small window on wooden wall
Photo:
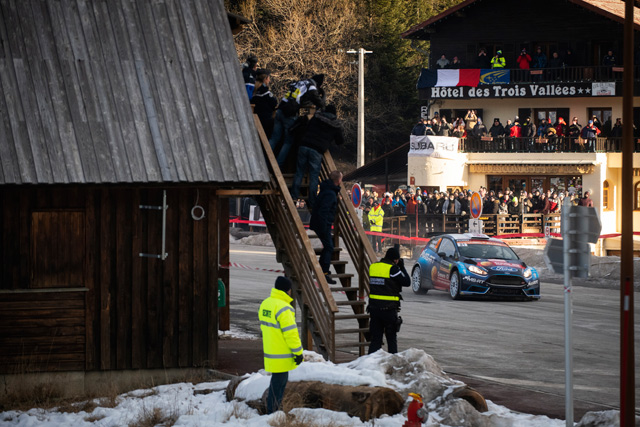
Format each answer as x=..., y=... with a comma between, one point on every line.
x=636, y=193
x=605, y=196
x=57, y=249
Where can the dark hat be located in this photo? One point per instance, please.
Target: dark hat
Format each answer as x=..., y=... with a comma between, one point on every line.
x=330, y=109
x=283, y=284
x=392, y=253
x=318, y=78
x=252, y=60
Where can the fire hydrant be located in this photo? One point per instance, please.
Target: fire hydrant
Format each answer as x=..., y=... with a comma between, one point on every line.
x=415, y=414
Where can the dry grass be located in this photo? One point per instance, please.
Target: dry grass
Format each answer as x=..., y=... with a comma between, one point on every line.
x=151, y=417
x=289, y=420
x=27, y=395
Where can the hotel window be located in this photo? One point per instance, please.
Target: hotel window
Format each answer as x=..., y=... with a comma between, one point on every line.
x=636, y=192
x=605, y=195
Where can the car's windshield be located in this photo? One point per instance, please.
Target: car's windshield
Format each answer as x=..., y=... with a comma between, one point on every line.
x=486, y=250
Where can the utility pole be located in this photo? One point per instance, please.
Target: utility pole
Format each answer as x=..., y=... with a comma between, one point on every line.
x=627, y=350
x=360, y=52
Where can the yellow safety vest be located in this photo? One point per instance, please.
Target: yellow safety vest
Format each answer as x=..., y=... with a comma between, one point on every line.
x=377, y=216
x=280, y=340
x=498, y=63
x=379, y=286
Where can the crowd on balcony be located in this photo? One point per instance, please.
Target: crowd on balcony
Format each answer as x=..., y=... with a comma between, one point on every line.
x=524, y=135
x=525, y=60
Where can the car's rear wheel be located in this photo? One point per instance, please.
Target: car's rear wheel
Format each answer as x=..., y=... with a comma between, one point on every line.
x=416, y=282
x=454, y=285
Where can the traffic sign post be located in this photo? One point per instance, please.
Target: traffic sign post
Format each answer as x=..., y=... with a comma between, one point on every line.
x=356, y=195
x=572, y=256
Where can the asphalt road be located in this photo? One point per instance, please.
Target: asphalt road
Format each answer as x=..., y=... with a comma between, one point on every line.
x=519, y=345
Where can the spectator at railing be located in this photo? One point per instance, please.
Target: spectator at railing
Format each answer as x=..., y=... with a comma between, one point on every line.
x=555, y=63
x=459, y=132
x=471, y=120
x=586, y=200
x=419, y=128
x=551, y=204
x=451, y=206
x=497, y=129
x=561, y=128
x=539, y=59
x=574, y=131
x=465, y=202
x=596, y=122
x=606, y=127
x=445, y=128
x=524, y=60
x=551, y=138
x=616, y=131
x=589, y=133
x=526, y=202
x=538, y=202
x=479, y=130
x=482, y=60
x=609, y=59
x=387, y=207
x=398, y=206
x=458, y=122
x=494, y=205
x=503, y=208
x=498, y=61
x=514, y=207
x=443, y=62
x=568, y=59
x=455, y=64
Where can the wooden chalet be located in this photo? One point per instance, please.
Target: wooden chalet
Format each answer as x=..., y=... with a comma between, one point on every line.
x=122, y=125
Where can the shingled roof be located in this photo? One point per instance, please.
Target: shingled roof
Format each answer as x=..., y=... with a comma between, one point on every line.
x=123, y=91
x=612, y=9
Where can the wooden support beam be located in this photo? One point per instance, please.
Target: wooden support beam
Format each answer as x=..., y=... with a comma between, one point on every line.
x=247, y=192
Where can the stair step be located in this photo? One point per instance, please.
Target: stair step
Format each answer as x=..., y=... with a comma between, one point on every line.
x=353, y=344
x=341, y=275
x=350, y=316
x=352, y=331
x=343, y=289
x=338, y=262
x=319, y=250
x=352, y=303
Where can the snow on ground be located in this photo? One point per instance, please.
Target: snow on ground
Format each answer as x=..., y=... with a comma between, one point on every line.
x=205, y=404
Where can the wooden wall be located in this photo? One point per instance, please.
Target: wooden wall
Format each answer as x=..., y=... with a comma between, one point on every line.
x=70, y=273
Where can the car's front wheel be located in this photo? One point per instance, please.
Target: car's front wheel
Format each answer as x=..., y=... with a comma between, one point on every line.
x=416, y=282
x=454, y=285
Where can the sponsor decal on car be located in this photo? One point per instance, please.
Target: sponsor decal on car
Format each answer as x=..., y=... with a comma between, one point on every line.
x=506, y=269
x=473, y=279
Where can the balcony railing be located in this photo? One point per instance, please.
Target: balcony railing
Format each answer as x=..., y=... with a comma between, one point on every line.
x=543, y=145
x=571, y=74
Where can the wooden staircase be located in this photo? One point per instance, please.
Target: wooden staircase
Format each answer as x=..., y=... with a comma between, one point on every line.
x=333, y=317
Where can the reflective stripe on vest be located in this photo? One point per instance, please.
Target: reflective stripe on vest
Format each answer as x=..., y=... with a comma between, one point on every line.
x=384, y=297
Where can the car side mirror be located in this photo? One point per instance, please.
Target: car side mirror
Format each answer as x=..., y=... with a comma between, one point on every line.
x=442, y=255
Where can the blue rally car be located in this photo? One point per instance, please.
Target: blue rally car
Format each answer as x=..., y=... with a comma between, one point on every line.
x=473, y=265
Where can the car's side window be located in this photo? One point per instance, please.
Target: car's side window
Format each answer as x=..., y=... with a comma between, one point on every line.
x=433, y=243
x=447, y=247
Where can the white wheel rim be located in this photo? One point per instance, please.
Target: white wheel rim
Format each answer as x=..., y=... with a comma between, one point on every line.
x=416, y=279
x=453, y=285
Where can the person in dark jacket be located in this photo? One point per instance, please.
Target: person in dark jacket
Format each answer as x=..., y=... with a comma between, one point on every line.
x=386, y=280
x=323, y=129
x=539, y=59
x=420, y=127
x=264, y=102
x=302, y=93
x=249, y=69
x=323, y=215
x=586, y=200
x=482, y=60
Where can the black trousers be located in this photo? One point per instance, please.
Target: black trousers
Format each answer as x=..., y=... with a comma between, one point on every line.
x=383, y=322
x=276, y=391
x=327, y=248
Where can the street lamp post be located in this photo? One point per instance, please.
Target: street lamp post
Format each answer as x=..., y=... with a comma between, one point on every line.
x=360, y=151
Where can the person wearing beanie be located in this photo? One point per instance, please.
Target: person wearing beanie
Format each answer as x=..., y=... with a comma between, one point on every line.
x=386, y=280
x=280, y=340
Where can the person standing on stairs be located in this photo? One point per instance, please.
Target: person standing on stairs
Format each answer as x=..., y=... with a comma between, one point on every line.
x=323, y=129
x=323, y=214
x=280, y=340
x=386, y=280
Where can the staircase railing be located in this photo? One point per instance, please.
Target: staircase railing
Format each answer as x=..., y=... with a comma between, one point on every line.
x=297, y=255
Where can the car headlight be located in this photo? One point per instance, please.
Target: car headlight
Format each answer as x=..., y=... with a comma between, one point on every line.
x=477, y=270
x=527, y=273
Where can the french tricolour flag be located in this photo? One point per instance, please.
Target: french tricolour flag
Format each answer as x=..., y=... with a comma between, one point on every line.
x=449, y=78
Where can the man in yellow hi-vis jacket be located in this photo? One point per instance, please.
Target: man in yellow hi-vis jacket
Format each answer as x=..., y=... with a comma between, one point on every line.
x=386, y=280
x=376, y=218
x=280, y=341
